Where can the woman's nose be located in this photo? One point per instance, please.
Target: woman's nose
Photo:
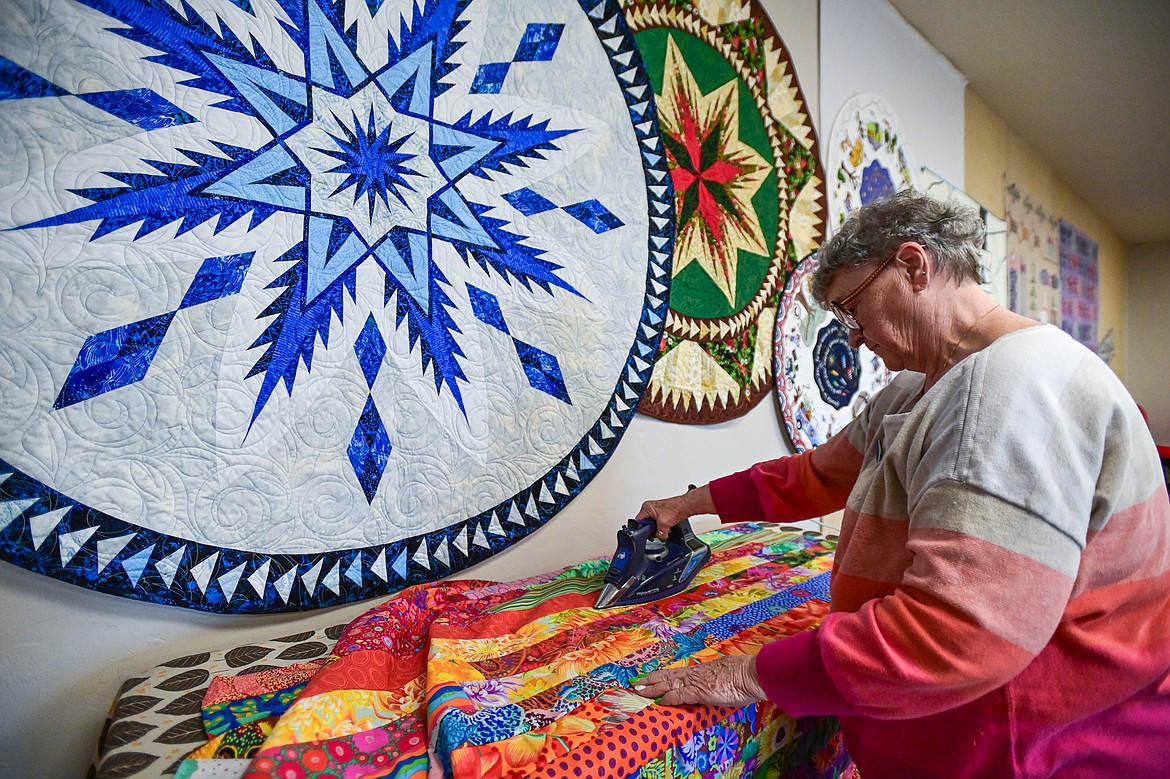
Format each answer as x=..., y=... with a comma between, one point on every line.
x=855, y=338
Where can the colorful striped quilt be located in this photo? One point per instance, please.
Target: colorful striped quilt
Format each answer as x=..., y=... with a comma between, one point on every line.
x=525, y=679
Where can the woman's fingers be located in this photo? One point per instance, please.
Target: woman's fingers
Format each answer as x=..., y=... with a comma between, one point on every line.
x=658, y=684
x=726, y=681
x=666, y=514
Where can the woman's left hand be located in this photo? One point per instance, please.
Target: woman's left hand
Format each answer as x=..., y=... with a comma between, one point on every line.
x=725, y=681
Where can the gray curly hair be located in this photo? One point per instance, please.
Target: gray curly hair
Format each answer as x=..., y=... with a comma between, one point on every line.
x=950, y=231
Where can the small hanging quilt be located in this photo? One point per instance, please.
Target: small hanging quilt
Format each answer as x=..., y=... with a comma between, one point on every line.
x=867, y=157
x=748, y=199
x=822, y=382
x=1078, y=293
x=1033, y=251
x=306, y=301
x=993, y=272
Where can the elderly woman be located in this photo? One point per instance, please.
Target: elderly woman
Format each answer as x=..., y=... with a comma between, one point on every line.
x=1001, y=591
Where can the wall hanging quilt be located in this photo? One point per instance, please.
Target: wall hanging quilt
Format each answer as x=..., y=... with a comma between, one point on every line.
x=748, y=199
x=1078, y=290
x=867, y=156
x=822, y=382
x=306, y=301
x=1033, y=247
x=993, y=270
x=526, y=679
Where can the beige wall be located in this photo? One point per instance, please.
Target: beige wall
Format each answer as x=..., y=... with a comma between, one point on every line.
x=1147, y=368
x=995, y=154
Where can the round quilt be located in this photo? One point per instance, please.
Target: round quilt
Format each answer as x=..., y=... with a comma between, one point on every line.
x=305, y=301
x=748, y=199
x=867, y=157
x=822, y=382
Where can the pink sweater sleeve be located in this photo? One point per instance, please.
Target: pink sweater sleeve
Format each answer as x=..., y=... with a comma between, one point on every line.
x=792, y=488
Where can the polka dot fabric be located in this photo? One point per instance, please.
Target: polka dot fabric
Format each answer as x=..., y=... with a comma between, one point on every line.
x=692, y=742
x=623, y=749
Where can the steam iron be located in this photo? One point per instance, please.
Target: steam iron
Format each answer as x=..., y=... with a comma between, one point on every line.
x=645, y=568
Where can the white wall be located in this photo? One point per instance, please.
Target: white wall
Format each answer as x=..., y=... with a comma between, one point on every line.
x=1147, y=358
x=867, y=46
x=65, y=650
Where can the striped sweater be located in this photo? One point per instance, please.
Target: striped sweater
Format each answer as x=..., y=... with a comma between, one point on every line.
x=1001, y=592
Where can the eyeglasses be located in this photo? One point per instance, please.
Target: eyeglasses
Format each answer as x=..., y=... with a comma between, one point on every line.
x=841, y=308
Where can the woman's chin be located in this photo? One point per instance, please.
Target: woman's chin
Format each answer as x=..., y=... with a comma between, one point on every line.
x=891, y=361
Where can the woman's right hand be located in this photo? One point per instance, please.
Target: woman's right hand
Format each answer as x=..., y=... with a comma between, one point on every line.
x=668, y=512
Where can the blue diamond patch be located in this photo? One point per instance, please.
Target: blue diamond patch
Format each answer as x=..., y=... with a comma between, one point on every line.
x=543, y=370
x=369, y=450
x=486, y=308
x=539, y=43
x=370, y=348
x=113, y=359
x=593, y=215
x=489, y=79
x=217, y=278
x=528, y=202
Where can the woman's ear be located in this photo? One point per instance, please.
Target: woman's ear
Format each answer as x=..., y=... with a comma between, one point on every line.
x=914, y=262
